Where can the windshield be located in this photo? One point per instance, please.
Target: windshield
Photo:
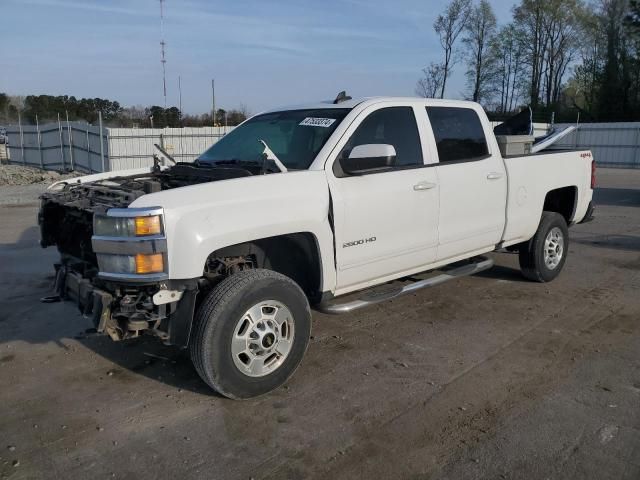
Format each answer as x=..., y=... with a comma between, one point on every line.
x=295, y=136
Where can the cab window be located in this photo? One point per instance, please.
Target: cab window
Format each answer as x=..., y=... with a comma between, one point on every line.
x=392, y=126
x=458, y=133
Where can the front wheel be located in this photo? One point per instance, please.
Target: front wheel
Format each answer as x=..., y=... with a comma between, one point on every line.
x=250, y=333
x=542, y=257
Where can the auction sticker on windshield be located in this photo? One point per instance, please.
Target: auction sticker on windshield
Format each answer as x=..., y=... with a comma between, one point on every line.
x=317, y=122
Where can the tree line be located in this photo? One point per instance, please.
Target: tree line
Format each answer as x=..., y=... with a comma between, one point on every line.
x=32, y=109
x=571, y=57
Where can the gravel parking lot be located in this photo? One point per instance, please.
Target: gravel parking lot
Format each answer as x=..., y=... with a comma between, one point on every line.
x=485, y=377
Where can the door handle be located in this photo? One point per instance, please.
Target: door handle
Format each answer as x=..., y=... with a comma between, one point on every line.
x=494, y=176
x=424, y=186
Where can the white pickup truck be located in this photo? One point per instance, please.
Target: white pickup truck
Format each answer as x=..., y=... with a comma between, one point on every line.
x=312, y=205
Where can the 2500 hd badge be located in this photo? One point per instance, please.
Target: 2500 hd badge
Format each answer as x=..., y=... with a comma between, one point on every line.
x=358, y=242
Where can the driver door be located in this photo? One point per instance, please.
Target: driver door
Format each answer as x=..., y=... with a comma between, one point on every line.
x=385, y=221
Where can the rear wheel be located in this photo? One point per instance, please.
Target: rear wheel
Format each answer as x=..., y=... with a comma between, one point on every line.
x=250, y=333
x=542, y=257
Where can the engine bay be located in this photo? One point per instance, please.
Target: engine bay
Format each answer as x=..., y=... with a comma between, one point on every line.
x=66, y=214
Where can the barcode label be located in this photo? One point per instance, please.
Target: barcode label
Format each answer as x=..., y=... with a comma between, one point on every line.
x=317, y=122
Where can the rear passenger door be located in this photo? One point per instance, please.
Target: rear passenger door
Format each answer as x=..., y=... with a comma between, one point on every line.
x=473, y=183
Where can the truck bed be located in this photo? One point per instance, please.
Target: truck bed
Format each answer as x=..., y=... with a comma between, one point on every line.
x=532, y=176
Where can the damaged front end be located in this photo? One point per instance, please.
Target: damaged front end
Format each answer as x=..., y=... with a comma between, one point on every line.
x=113, y=258
x=124, y=311
x=126, y=290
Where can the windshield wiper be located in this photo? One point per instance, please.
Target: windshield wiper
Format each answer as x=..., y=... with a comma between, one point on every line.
x=235, y=161
x=239, y=163
x=269, y=155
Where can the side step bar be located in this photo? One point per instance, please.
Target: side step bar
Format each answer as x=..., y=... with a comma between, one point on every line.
x=371, y=298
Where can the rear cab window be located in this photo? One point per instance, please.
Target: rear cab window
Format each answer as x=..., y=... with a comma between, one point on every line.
x=458, y=133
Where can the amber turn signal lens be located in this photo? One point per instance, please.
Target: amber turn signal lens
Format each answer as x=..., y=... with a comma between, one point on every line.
x=148, y=225
x=153, y=263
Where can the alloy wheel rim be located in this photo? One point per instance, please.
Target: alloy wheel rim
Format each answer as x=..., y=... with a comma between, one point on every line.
x=553, y=248
x=262, y=338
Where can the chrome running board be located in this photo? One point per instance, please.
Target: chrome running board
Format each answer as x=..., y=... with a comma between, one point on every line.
x=371, y=297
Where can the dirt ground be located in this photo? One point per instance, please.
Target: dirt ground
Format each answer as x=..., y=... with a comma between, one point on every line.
x=21, y=185
x=22, y=175
x=486, y=377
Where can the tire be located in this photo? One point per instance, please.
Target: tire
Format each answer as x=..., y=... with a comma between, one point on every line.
x=244, y=310
x=553, y=236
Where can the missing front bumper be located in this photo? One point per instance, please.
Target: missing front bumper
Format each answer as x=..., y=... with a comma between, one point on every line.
x=118, y=314
x=91, y=301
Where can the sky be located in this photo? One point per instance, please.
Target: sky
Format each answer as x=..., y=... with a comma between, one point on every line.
x=262, y=53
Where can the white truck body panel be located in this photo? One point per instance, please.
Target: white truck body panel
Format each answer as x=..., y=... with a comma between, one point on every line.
x=531, y=177
x=421, y=217
x=385, y=207
x=201, y=219
x=472, y=199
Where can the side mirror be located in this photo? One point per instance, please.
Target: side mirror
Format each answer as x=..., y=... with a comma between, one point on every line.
x=368, y=158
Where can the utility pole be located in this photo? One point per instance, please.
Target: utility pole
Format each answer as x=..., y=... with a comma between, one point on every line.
x=180, y=96
x=162, y=57
x=213, y=101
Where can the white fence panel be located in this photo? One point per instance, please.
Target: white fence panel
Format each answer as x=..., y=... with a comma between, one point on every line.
x=62, y=146
x=134, y=147
x=612, y=144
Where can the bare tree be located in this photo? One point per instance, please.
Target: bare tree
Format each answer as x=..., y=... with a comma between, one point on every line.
x=479, y=33
x=583, y=89
x=431, y=82
x=135, y=115
x=551, y=28
x=449, y=25
x=561, y=26
x=508, y=83
x=529, y=20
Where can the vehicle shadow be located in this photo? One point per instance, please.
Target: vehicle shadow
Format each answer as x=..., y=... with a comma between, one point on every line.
x=499, y=272
x=148, y=357
x=63, y=325
x=618, y=197
x=26, y=276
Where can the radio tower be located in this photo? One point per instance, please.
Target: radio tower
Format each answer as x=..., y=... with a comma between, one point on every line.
x=162, y=59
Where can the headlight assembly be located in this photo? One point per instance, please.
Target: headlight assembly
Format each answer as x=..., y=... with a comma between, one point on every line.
x=130, y=244
x=108, y=226
x=139, y=264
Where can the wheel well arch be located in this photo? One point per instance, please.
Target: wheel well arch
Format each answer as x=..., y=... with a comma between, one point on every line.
x=296, y=255
x=563, y=201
